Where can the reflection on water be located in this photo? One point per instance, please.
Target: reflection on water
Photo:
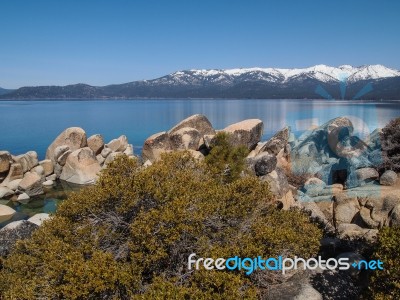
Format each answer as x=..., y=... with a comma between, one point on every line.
x=138, y=119
x=46, y=203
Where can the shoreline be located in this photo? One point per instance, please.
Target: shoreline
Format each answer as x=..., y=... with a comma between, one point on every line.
x=189, y=99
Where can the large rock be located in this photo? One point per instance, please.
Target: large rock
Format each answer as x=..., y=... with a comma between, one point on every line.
x=316, y=213
x=14, y=233
x=39, y=218
x=264, y=163
x=110, y=158
x=96, y=143
x=198, y=122
x=129, y=150
x=155, y=145
x=247, y=133
x=48, y=166
x=389, y=202
x=31, y=184
x=48, y=183
x=81, y=167
x=325, y=138
x=27, y=161
x=388, y=178
x=23, y=197
x=367, y=220
x=277, y=181
x=395, y=216
x=185, y=138
x=105, y=152
x=5, y=192
x=355, y=232
x=345, y=208
x=118, y=145
x=13, y=185
x=73, y=137
x=366, y=175
x=59, y=151
x=278, y=142
x=314, y=186
x=6, y=213
x=293, y=289
x=39, y=170
x=12, y=225
x=5, y=161
x=62, y=159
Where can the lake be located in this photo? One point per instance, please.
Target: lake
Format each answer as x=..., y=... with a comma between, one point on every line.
x=33, y=125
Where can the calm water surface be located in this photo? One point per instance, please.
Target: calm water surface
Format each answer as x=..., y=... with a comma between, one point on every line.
x=33, y=125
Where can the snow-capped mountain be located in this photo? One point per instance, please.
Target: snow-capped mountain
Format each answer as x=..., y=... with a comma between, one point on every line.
x=366, y=82
x=321, y=73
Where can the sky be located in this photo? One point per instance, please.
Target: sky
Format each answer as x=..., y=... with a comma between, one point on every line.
x=48, y=42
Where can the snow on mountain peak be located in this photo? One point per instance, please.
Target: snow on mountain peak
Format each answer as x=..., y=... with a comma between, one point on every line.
x=320, y=72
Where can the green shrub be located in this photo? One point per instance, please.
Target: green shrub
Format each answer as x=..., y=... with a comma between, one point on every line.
x=130, y=235
x=385, y=284
x=226, y=160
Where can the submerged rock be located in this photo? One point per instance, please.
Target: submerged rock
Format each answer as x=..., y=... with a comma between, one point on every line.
x=6, y=213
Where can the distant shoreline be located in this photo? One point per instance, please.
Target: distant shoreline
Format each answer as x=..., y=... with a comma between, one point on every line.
x=176, y=98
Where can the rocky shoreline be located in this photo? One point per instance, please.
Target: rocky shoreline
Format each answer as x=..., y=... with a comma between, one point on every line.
x=328, y=172
x=341, y=184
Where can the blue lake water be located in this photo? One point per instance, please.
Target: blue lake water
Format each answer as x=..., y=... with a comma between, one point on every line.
x=33, y=125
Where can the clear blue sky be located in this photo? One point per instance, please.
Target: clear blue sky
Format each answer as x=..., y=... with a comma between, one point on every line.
x=103, y=42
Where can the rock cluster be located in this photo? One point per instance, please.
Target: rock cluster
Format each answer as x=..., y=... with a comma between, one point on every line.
x=196, y=135
x=70, y=157
x=78, y=159
x=22, y=175
x=346, y=190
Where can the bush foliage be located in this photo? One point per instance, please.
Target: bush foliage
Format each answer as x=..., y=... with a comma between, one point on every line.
x=130, y=235
x=385, y=284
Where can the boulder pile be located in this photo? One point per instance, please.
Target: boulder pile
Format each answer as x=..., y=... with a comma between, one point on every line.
x=70, y=157
x=347, y=188
x=196, y=135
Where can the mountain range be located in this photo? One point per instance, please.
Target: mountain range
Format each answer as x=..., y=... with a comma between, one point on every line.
x=4, y=91
x=371, y=82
